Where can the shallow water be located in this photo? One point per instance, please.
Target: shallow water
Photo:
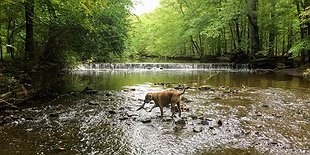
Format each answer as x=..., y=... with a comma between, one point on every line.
x=261, y=113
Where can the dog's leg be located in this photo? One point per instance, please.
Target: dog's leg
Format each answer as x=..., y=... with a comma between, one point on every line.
x=172, y=109
x=179, y=107
x=161, y=111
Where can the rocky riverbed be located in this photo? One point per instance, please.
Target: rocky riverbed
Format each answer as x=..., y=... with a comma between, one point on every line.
x=214, y=120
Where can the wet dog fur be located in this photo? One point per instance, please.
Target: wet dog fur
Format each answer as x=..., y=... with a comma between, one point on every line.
x=164, y=99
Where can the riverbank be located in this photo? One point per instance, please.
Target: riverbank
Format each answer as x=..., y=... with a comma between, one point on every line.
x=302, y=71
x=17, y=82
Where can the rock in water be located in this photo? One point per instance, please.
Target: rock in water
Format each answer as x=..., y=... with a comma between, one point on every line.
x=180, y=122
x=205, y=88
x=111, y=112
x=204, y=122
x=197, y=129
x=193, y=116
x=88, y=90
x=146, y=120
x=219, y=123
x=93, y=103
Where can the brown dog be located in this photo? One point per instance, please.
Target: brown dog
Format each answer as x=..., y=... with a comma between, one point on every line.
x=165, y=98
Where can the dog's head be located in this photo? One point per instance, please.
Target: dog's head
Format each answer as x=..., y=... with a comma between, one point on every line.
x=148, y=98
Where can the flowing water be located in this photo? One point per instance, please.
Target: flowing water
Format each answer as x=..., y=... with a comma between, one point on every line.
x=232, y=113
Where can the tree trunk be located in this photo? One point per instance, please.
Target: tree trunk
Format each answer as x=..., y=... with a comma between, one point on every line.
x=290, y=36
x=283, y=44
x=276, y=43
x=238, y=36
x=1, y=51
x=233, y=43
x=29, y=12
x=302, y=30
x=307, y=29
x=10, y=35
x=252, y=17
x=272, y=29
x=198, y=49
x=225, y=41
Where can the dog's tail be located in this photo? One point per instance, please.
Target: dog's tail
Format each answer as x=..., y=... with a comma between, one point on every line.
x=183, y=89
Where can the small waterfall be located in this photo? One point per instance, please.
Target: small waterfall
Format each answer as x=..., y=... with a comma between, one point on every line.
x=165, y=66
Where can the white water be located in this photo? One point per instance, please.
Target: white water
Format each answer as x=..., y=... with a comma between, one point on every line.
x=165, y=66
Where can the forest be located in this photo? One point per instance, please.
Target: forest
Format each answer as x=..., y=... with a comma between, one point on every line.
x=79, y=31
x=63, y=32
x=189, y=77
x=230, y=30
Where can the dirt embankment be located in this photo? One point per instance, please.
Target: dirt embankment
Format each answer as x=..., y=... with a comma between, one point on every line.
x=14, y=90
x=303, y=71
x=16, y=79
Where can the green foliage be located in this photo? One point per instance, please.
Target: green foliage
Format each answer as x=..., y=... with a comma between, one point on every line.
x=300, y=46
x=198, y=28
x=70, y=59
x=9, y=81
x=72, y=29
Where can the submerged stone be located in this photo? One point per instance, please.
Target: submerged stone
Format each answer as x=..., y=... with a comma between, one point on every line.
x=204, y=122
x=131, y=114
x=89, y=90
x=123, y=118
x=53, y=115
x=193, y=116
x=205, y=88
x=6, y=120
x=93, y=103
x=111, y=112
x=146, y=120
x=197, y=129
x=167, y=119
x=219, y=123
x=181, y=122
x=109, y=94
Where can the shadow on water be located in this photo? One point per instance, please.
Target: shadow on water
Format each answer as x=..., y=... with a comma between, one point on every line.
x=241, y=113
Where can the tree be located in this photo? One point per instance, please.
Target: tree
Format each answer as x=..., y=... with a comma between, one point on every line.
x=302, y=47
x=252, y=17
x=29, y=14
x=64, y=30
x=200, y=28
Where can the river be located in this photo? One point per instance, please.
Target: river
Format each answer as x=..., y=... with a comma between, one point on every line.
x=233, y=112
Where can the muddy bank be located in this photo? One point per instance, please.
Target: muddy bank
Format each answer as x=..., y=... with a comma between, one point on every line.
x=21, y=81
x=303, y=71
x=14, y=90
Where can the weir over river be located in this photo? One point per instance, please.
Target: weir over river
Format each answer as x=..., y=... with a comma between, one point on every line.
x=227, y=109
x=165, y=66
